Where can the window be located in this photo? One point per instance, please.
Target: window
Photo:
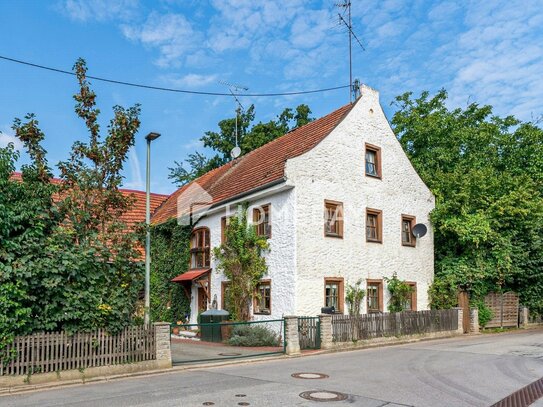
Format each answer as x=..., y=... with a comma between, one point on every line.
x=374, y=296
x=374, y=225
x=225, y=221
x=333, y=293
x=225, y=287
x=262, y=301
x=407, y=231
x=411, y=303
x=262, y=220
x=373, y=161
x=333, y=219
x=199, y=248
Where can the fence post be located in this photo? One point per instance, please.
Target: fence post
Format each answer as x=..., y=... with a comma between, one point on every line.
x=325, y=321
x=460, y=329
x=474, y=320
x=291, y=335
x=524, y=317
x=162, y=344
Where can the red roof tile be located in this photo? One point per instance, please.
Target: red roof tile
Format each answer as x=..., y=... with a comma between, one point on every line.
x=258, y=167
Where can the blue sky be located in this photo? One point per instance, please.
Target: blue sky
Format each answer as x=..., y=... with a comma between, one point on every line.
x=490, y=52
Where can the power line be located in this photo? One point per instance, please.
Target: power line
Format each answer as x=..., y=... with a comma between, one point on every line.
x=192, y=92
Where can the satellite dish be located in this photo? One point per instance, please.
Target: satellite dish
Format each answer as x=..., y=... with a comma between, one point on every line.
x=236, y=151
x=419, y=230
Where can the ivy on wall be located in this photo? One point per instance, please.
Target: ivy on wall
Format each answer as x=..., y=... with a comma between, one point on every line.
x=170, y=251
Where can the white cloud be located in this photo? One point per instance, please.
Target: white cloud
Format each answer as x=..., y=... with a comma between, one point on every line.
x=171, y=33
x=136, y=180
x=6, y=137
x=191, y=80
x=99, y=10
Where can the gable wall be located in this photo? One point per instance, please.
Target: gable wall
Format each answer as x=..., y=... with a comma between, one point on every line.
x=334, y=170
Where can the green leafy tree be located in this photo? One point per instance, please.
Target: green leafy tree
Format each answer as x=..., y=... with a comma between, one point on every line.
x=250, y=137
x=487, y=175
x=240, y=259
x=66, y=261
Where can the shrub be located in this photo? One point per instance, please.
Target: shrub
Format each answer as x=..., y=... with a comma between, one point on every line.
x=485, y=313
x=247, y=335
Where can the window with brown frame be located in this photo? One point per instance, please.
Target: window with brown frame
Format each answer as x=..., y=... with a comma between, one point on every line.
x=225, y=286
x=199, y=248
x=262, y=220
x=408, y=239
x=262, y=299
x=225, y=221
x=333, y=219
x=373, y=161
x=333, y=293
x=374, y=295
x=374, y=225
x=411, y=303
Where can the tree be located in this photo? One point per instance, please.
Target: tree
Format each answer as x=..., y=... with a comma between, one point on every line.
x=240, y=259
x=66, y=261
x=249, y=138
x=487, y=175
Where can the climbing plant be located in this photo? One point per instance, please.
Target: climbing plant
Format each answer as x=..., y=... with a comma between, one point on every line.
x=170, y=252
x=240, y=259
x=400, y=293
x=354, y=296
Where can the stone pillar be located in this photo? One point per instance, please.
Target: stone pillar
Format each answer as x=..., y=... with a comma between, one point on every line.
x=325, y=321
x=524, y=317
x=162, y=344
x=474, y=320
x=460, y=329
x=291, y=335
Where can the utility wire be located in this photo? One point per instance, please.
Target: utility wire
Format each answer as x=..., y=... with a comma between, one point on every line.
x=193, y=92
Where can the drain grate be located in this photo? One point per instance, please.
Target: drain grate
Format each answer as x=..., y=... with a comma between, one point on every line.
x=523, y=397
x=323, y=395
x=229, y=354
x=308, y=375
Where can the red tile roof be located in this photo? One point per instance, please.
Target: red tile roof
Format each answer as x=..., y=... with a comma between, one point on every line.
x=257, y=168
x=136, y=213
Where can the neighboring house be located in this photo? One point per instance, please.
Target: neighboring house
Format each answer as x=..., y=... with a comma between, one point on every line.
x=133, y=216
x=348, y=163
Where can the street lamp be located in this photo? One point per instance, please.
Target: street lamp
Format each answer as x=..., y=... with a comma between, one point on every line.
x=150, y=137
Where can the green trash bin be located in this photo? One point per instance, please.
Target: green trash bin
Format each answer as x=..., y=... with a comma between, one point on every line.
x=212, y=333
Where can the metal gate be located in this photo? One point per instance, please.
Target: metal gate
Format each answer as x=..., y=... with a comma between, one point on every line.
x=309, y=332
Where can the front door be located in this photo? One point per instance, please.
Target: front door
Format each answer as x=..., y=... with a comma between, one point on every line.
x=202, y=300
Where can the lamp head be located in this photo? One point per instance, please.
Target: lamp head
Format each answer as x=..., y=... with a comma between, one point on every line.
x=152, y=136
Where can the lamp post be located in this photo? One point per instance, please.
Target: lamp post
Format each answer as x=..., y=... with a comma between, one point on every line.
x=150, y=137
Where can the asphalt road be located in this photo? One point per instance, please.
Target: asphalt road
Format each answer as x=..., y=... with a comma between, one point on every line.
x=466, y=371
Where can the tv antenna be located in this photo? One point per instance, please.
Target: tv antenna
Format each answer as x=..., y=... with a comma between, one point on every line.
x=346, y=5
x=233, y=87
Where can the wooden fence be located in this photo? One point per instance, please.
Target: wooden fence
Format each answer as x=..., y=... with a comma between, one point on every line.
x=347, y=328
x=504, y=309
x=55, y=351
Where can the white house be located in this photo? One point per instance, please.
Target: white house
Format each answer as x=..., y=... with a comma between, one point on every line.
x=347, y=163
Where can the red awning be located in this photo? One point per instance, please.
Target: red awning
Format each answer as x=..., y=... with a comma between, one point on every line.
x=190, y=275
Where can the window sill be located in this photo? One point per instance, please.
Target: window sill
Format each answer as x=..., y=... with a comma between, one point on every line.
x=374, y=241
x=377, y=176
x=262, y=313
x=337, y=236
x=409, y=244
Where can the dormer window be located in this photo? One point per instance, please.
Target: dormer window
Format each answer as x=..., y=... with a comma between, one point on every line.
x=199, y=248
x=373, y=161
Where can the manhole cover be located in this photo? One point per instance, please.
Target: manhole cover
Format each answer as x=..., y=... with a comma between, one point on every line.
x=229, y=354
x=208, y=403
x=307, y=375
x=323, y=395
x=243, y=403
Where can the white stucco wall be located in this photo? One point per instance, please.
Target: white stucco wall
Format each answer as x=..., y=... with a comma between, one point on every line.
x=281, y=258
x=334, y=170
